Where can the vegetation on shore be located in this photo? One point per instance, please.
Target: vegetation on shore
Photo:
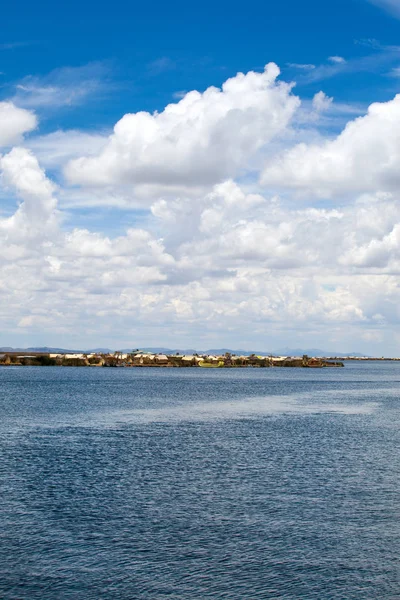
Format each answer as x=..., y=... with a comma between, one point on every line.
x=147, y=359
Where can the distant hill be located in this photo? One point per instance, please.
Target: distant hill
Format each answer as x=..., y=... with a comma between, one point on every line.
x=50, y=350
x=163, y=350
x=279, y=352
x=44, y=349
x=316, y=352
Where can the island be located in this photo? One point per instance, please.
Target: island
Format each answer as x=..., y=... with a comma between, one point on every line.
x=138, y=358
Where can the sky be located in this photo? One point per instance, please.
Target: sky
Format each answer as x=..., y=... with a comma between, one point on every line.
x=200, y=175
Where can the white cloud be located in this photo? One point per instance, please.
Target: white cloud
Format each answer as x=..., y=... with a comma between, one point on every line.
x=56, y=148
x=338, y=60
x=301, y=66
x=200, y=140
x=21, y=170
x=321, y=102
x=228, y=259
x=364, y=157
x=381, y=58
x=14, y=122
x=212, y=259
x=67, y=86
x=36, y=215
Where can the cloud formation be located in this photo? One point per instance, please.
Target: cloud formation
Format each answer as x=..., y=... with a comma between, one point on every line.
x=68, y=86
x=229, y=257
x=339, y=60
x=35, y=218
x=201, y=140
x=213, y=257
x=14, y=122
x=365, y=157
x=321, y=102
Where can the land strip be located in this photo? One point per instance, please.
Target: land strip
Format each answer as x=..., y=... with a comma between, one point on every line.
x=147, y=359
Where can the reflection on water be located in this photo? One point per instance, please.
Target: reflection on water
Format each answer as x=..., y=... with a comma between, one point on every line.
x=240, y=409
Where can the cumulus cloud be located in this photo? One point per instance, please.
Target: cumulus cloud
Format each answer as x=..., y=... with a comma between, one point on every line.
x=231, y=256
x=321, y=102
x=14, y=122
x=202, y=139
x=212, y=257
x=21, y=172
x=365, y=157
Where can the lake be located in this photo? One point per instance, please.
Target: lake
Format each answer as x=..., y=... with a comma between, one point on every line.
x=193, y=484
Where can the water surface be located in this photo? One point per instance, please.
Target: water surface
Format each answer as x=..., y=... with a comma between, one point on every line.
x=191, y=484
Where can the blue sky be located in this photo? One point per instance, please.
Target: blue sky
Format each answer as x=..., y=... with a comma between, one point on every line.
x=144, y=53
x=211, y=217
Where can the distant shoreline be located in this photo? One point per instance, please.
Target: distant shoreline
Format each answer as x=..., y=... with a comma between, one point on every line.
x=139, y=359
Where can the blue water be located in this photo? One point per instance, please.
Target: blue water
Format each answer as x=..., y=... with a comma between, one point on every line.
x=194, y=484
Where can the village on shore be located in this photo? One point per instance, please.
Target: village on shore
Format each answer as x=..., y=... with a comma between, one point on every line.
x=138, y=358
